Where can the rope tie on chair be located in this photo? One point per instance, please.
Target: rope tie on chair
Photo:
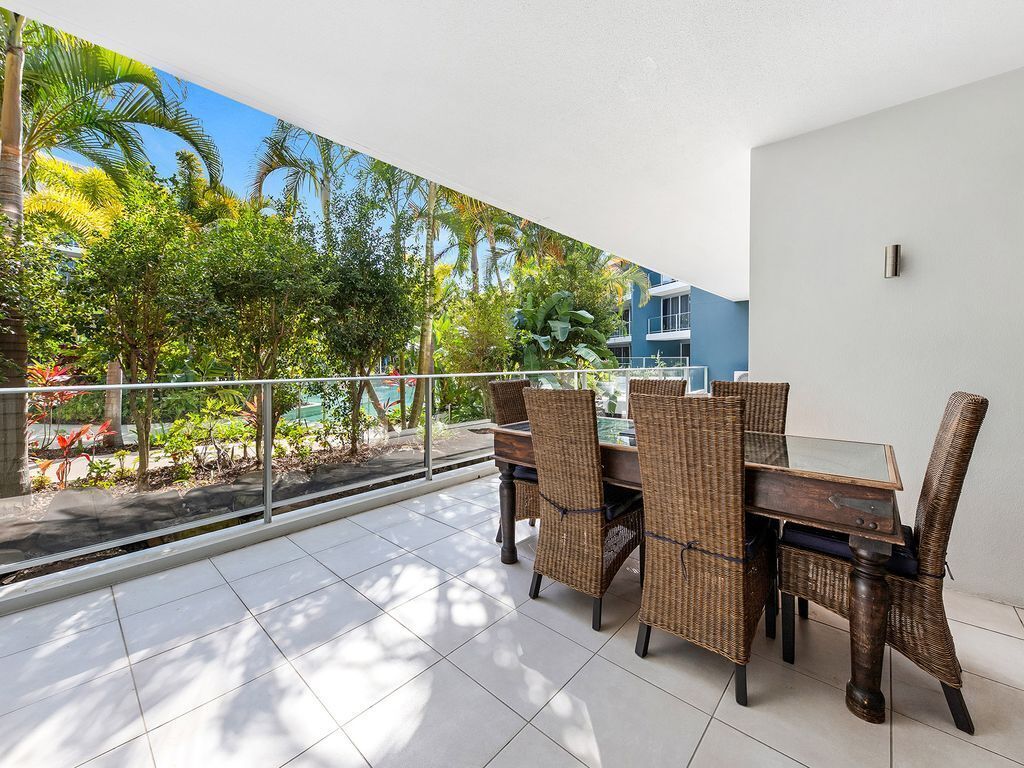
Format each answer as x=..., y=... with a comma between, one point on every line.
x=563, y=511
x=946, y=571
x=693, y=544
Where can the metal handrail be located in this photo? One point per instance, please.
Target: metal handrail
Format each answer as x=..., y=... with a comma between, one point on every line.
x=677, y=322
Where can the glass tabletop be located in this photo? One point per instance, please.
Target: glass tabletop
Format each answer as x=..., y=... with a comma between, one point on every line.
x=812, y=455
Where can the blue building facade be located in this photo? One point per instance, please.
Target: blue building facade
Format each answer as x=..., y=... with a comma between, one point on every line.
x=683, y=321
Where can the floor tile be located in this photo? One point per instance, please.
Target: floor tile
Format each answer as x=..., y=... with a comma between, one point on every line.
x=825, y=616
x=470, y=491
x=258, y=557
x=915, y=745
x=379, y=519
x=159, y=588
x=530, y=747
x=458, y=553
x=982, y=613
x=303, y=624
x=132, y=754
x=358, y=669
x=571, y=613
x=35, y=626
x=508, y=583
x=693, y=674
x=803, y=718
x=521, y=661
x=392, y=583
x=276, y=586
x=354, y=556
x=725, y=747
x=995, y=708
x=73, y=726
x=262, y=724
x=327, y=535
x=587, y=722
x=464, y=514
x=172, y=624
x=60, y=664
x=414, y=534
x=424, y=723
x=429, y=503
x=821, y=651
x=178, y=680
x=989, y=654
x=626, y=583
x=449, y=615
x=336, y=751
x=488, y=530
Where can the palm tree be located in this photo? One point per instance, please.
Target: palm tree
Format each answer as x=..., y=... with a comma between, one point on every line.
x=306, y=159
x=203, y=201
x=60, y=92
x=81, y=201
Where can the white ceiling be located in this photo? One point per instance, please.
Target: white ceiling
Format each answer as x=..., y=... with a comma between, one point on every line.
x=628, y=125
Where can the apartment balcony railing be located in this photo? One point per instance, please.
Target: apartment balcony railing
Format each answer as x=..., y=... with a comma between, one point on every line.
x=669, y=323
x=208, y=469
x=623, y=331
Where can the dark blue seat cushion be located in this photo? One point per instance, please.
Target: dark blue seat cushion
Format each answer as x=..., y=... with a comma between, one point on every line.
x=757, y=529
x=620, y=501
x=902, y=563
x=525, y=473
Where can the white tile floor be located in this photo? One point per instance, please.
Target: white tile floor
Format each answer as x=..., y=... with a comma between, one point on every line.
x=397, y=638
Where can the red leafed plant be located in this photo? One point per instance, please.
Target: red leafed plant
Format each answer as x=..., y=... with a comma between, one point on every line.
x=41, y=405
x=73, y=445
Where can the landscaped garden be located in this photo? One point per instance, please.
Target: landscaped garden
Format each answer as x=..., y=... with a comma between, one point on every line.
x=112, y=271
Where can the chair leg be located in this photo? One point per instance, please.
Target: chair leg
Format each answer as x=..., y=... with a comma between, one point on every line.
x=788, y=628
x=801, y=605
x=533, y=522
x=596, y=623
x=498, y=537
x=643, y=640
x=535, y=586
x=643, y=551
x=958, y=708
x=741, y=684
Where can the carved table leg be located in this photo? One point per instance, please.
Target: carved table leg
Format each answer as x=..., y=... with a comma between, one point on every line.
x=507, y=500
x=869, y=614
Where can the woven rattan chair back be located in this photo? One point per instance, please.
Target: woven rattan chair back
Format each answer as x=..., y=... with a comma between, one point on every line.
x=765, y=402
x=944, y=478
x=663, y=387
x=563, y=423
x=507, y=397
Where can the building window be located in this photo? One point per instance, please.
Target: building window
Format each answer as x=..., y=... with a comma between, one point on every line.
x=622, y=354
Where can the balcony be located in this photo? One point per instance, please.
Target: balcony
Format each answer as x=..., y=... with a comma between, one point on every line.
x=669, y=286
x=621, y=335
x=395, y=637
x=669, y=327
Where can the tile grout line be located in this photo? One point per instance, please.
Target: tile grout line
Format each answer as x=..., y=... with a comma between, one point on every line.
x=135, y=685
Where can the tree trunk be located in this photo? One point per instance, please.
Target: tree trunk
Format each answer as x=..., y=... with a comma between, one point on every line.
x=112, y=406
x=474, y=265
x=378, y=406
x=425, y=363
x=14, y=472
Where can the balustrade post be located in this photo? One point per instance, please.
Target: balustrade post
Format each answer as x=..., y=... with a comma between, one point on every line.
x=268, y=451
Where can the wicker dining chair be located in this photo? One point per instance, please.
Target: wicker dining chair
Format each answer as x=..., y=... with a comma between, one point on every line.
x=706, y=565
x=510, y=408
x=663, y=387
x=588, y=529
x=765, y=406
x=765, y=403
x=815, y=566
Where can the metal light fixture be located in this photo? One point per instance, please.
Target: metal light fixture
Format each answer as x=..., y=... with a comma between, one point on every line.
x=892, y=260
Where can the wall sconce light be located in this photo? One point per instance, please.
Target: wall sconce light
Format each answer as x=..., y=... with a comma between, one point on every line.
x=892, y=260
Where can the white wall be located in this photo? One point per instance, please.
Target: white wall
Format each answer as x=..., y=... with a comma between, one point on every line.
x=875, y=359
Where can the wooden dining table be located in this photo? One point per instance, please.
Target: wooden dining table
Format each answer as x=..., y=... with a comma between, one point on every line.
x=835, y=485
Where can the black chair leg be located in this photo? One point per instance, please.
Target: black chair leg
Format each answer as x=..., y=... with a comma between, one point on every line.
x=498, y=537
x=801, y=605
x=533, y=522
x=643, y=551
x=643, y=640
x=596, y=623
x=958, y=708
x=535, y=586
x=741, y=684
x=788, y=628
